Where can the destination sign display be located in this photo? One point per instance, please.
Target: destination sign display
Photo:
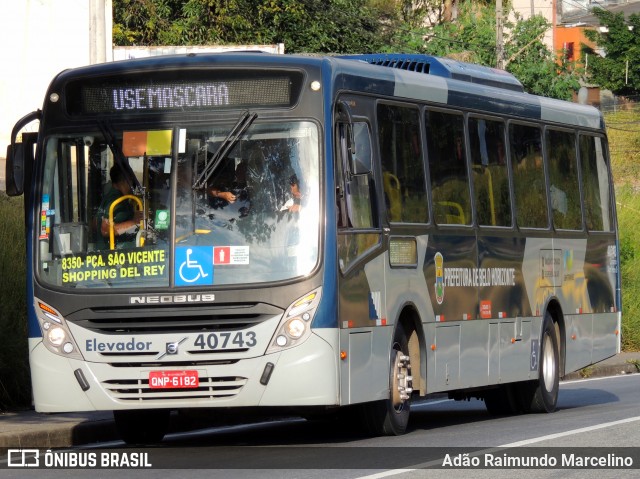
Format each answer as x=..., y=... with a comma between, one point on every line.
x=146, y=94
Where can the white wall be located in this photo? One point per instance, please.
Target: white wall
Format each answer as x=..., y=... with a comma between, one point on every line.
x=538, y=7
x=38, y=39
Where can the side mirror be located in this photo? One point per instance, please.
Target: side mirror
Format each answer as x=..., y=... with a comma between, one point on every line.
x=14, y=169
x=360, y=149
x=20, y=156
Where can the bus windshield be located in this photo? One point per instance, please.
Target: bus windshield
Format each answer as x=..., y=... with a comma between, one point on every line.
x=183, y=206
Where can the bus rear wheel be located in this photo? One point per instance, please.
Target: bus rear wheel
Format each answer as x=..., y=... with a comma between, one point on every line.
x=142, y=427
x=541, y=395
x=390, y=417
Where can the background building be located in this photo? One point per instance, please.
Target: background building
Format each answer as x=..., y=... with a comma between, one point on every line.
x=40, y=38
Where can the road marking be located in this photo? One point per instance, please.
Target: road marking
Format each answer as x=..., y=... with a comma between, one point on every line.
x=392, y=472
x=571, y=432
x=600, y=378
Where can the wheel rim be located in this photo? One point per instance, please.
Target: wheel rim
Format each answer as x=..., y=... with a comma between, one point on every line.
x=401, y=380
x=548, y=364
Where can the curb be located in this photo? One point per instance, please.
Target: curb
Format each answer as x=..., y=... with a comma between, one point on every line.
x=602, y=371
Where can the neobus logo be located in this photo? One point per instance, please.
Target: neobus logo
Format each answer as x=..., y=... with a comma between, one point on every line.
x=173, y=298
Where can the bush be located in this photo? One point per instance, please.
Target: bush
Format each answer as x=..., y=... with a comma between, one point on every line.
x=15, y=383
x=628, y=202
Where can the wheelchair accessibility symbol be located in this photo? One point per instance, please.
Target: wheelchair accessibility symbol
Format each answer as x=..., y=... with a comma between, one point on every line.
x=194, y=265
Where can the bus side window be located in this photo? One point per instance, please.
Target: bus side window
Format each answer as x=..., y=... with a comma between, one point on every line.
x=448, y=168
x=563, y=178
x=595, y=184
x=402, y=164
x=490, y=176
x=528, y=176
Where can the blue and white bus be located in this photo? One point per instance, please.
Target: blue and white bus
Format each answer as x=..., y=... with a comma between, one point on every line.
x=311, y=233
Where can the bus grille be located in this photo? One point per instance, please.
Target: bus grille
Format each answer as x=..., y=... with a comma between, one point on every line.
x=164, y=319
x=210, y=388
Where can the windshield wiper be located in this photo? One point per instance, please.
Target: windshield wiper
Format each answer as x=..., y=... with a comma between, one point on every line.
x=227, y=144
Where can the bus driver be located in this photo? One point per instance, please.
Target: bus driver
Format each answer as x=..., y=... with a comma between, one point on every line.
x=125, y=219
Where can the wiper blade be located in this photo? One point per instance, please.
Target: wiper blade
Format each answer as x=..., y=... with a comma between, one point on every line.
x=227, y=144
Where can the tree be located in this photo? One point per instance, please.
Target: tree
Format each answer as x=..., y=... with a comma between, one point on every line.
x=351, y=26
x=338, y=26
x=619, y=68
x=472, y=38
x=537, y=67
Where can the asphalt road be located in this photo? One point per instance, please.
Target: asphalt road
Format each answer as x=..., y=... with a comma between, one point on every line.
x=593, y=414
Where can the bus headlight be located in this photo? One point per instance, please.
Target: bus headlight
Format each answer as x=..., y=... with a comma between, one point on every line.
x=295, y=326
x=55, y=333
x=56, y=336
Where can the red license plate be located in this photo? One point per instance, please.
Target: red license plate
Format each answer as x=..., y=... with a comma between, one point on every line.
x=173, y=379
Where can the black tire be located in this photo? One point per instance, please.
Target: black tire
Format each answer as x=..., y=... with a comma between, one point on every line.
x=390, y=417
x=142, y=427
x=541, y=395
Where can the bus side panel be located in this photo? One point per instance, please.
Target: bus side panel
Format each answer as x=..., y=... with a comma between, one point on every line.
x=450, y=267
x=579, y=341
x=446, y=357
x=515, y=349
x=605, y=342
x=539, y=273
x=365, y=332
x=574, y=300
x=502, y=293
x=600, y=270
x=476, y=348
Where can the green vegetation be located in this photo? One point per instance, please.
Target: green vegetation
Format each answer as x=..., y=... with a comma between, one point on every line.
x=354, y=26
x=15, y=385
x=616, y=69
x=586, y=373
x=624, y=144
x=628, y=202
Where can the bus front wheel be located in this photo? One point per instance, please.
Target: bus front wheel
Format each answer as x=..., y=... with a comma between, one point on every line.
x=142, y=427
x=390, y=417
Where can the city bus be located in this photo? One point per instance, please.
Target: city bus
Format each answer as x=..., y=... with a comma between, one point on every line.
x=311, y=234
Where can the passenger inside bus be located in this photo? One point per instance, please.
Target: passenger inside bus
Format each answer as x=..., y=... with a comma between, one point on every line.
x=233, y=182
x=226, y=187
x=294, y=203
x=125, y=219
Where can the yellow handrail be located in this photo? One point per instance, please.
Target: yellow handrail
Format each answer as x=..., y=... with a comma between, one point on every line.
x=485, y=170
x=112, y=235
x=392, y=189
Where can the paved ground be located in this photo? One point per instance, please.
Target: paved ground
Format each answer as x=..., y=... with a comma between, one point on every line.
x=32, y=429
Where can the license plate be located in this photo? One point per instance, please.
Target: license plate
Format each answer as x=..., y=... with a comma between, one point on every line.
x=173, y=379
